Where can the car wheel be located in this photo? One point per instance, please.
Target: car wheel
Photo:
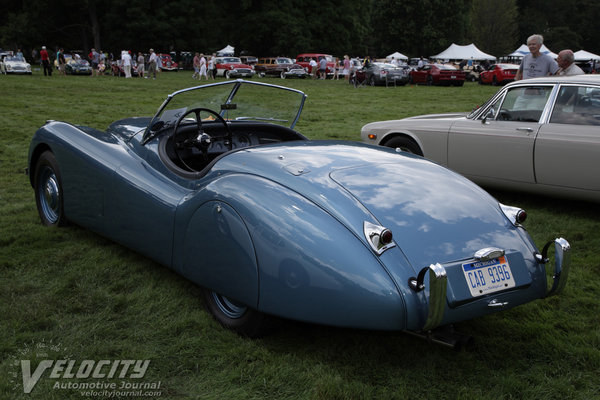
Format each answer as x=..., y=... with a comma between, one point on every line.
x=48, y=191
x=405, y=144
x=227, y=75
x=372, y=81
x=282, y=75
x=236, y=316
x=429, y=80
x=494, y=81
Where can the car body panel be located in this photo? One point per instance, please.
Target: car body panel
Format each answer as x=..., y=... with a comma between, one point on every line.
x=167, y=63
x=537, y=135
x=385, y=74
x=281, y=67
x=438, y=74
x=78, y=67
x=499, y=74
x=232, y=67
x=278, y=222
x=304, y=61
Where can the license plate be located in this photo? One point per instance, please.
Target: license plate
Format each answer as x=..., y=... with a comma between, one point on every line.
x=490, y=276
x=453, y=77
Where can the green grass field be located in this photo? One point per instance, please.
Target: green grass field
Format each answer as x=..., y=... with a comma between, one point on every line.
x=70, y=294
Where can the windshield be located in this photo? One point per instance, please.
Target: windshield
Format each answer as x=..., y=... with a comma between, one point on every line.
x=236, y=100
x=232, y=60
x=284, y=61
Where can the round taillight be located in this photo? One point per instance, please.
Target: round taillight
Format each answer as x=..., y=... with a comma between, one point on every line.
x=386, y=237
x=521, y=216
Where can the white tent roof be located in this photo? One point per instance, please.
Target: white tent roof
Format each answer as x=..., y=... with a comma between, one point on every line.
x=226, y=51
x=523, y=50
x=397, y=56
x=456, y=52
x=583, y=55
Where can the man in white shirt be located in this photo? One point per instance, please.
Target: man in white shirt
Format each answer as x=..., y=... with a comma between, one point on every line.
x=126, y=60
x=566, y=63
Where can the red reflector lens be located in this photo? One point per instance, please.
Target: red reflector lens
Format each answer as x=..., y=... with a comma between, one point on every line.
x=386, y=237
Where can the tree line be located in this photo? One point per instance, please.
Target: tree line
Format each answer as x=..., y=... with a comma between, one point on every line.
x=289, y=27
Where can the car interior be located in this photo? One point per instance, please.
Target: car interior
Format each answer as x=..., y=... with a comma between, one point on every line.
x=191, y=148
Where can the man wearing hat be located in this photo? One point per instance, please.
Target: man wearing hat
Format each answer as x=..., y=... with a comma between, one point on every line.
x=45, y=62
x=152, y=60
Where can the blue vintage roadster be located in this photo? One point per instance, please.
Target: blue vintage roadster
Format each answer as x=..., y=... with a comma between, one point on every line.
x=220, y=187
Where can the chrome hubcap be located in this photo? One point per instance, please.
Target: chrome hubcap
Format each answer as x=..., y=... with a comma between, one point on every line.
x=50, y=195
x=230, y=308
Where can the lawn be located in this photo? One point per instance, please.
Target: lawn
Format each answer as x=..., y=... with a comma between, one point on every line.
x=68, y=294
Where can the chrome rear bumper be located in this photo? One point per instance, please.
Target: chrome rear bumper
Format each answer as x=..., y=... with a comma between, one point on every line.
x=438, y=282
x=562, y=262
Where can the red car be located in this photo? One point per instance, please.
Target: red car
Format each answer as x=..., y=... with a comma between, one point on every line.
x=438, y=74
x=167, y=63
x=232, y=67
x=499, y=74
x=304, y=59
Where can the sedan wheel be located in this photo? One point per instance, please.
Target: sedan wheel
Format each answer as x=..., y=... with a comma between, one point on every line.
x=236, y=316
x=405, y=144
x=429, y=80
x=48, y=191
x=282, y=75
x=227, y=75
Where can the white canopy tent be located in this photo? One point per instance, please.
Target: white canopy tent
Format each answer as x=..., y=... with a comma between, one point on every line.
x=583, y=55
x=397, y=56
x=523, y=50
x=226, y=51
x=457, y=52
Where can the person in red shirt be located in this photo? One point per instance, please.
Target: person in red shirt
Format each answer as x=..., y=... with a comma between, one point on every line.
x=46, y=61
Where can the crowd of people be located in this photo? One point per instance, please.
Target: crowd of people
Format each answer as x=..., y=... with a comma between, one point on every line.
x=534, y=64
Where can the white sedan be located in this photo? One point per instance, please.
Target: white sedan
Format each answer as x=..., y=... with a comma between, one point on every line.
x=540, y=135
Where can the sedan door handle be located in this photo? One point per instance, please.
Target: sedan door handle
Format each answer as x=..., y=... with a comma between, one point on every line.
x=528, y=130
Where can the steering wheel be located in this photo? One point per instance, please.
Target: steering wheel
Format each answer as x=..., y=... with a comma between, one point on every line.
x=199, y=139
x=505, y=115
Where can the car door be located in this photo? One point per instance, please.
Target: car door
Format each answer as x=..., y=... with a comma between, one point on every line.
x=499, y=145
x=420, y=75
x=567, y=150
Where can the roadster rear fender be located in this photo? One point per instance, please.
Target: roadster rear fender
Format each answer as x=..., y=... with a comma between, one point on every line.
x=291, y=257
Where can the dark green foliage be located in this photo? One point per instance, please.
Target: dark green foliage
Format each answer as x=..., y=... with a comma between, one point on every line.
x=288, y=27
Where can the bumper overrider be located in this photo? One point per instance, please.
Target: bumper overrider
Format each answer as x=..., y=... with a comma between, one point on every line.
x=438, y=281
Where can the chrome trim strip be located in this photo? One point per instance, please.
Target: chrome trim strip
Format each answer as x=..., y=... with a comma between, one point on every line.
x=562, y=262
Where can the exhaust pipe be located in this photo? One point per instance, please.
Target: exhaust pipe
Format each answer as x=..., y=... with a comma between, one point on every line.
x=445, y=336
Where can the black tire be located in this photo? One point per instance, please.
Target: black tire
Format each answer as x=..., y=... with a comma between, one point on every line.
x=372, y=81
x=494, y=81
x=429, y=80
x=282, y=75
x=405, y=144
x=47, y=184
x=236, y=316
x=227, y=75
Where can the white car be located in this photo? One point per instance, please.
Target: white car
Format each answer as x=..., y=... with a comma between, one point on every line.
x=540, y=135
x=14, y=65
